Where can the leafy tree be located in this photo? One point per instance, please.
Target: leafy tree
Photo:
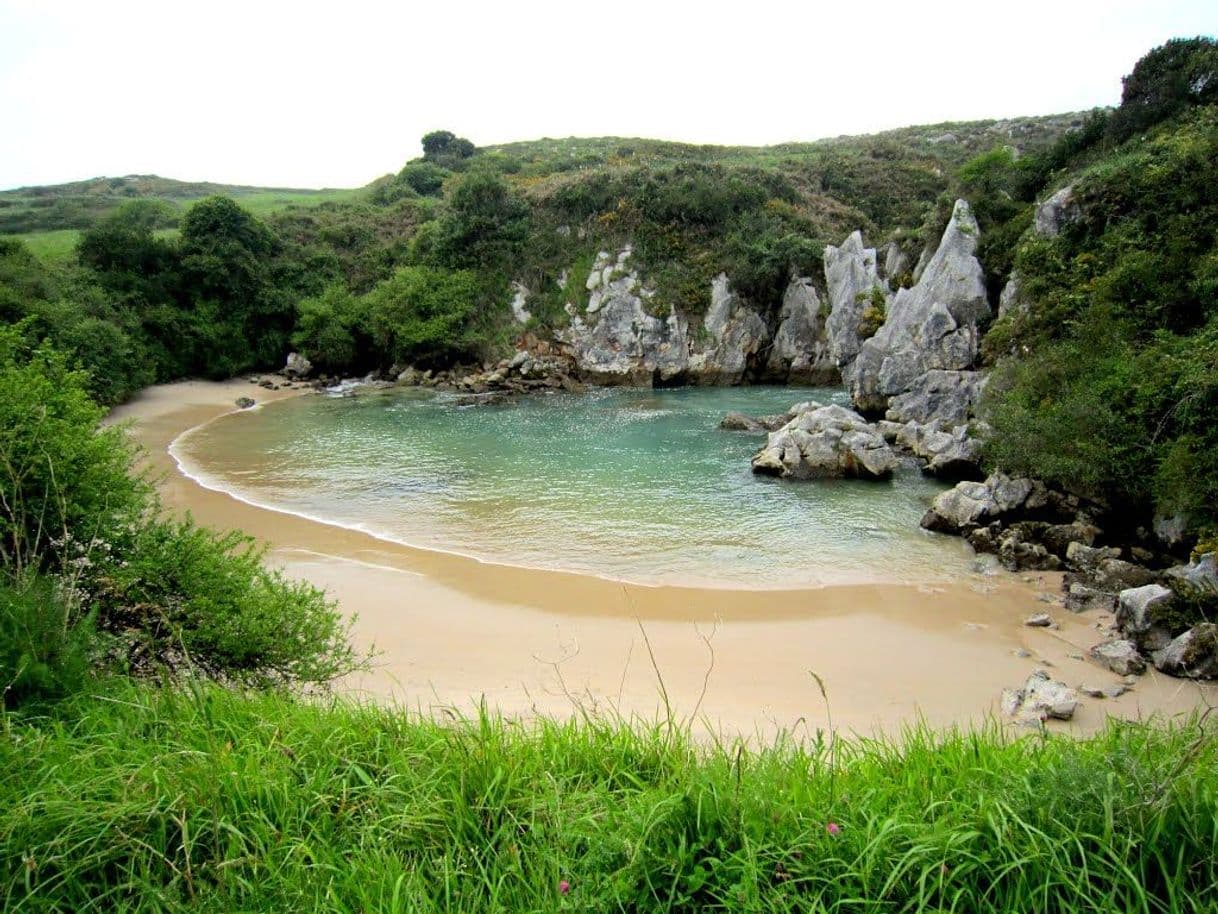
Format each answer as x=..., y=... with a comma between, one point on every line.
x=240, y=319
x=424, y=315
x=443, y=147
x=1174, y=76
x=331, y=329
x=127, y=257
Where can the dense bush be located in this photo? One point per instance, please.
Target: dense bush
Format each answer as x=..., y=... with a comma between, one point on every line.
x=482, y=226
x=332, y=330
x=1171, y=78
x=61, y=477
x=422, y=314
x=84, y=550
x=48, y=649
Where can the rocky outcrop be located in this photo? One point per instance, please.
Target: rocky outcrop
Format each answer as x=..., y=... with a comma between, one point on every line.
x=1059, y=211
x=1201, y=573
x=1193, y=654
x=826, y=442
x=852, y=280
x=621, y=338
x=800, y=353
x=975, y=504
x=520, y=297
x=297, y=366
x=1041, y=697
x=736, y=335
x=930, y=326
x=739, y=422
x=1012, y=299
x=616, y=340
x=946, y=452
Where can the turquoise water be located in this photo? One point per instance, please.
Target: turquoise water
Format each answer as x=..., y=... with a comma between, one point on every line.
x=638, y=485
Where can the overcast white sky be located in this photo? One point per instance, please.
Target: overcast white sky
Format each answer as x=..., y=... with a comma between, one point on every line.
x=334, y=94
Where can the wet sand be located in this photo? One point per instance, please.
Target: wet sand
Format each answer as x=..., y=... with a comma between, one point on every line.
x=450, y=631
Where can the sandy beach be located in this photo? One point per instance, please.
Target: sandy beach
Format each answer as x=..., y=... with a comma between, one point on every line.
x=450, y=631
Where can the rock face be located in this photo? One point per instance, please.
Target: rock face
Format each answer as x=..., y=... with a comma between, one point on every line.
x=1040, y=698
x=736, y=337
x=930, y=326
x=852, y=278
x=1012, y=299
x=297, y=366
x=616, y=340
x=520, y=297
x=1193, y=654
x=826, y=442
x=945, y=396
x=619, y=339
x=1056, y=213
x=801, y=353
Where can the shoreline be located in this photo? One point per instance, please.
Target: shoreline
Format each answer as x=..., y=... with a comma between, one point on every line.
x=452, y=629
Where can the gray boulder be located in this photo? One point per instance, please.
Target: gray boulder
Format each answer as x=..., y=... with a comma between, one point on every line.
x=1059, y=211
x=827, y=442
x=1193, y=655
x=1120, y=656
x=931, y=326
x=1041, y=697
x=739, y=422
x=851, y=277
x=951, y=454
x=975, y=504
x=244, y=402
x=1142, y=615
x=297, y=366
x=801, y=353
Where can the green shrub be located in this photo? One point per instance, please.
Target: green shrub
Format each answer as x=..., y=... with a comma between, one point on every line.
x=48, y=647
x=425, y=315
x=331, y=329
x=197, y=600
x=62, y=477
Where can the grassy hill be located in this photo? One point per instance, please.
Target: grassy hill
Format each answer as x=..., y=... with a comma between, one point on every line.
x=50, y=218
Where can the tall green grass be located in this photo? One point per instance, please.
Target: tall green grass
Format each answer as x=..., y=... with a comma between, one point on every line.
x=138, y=799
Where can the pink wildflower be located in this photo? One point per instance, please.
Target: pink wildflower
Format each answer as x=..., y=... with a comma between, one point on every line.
x=833, y=828
x=563, y=887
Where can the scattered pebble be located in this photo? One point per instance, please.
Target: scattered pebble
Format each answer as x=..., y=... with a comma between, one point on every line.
x=1115, y=691
x=1040, y=620
x=1092, y=691
x=1046, y=597
x=1022, y=652
x=1075, y=656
